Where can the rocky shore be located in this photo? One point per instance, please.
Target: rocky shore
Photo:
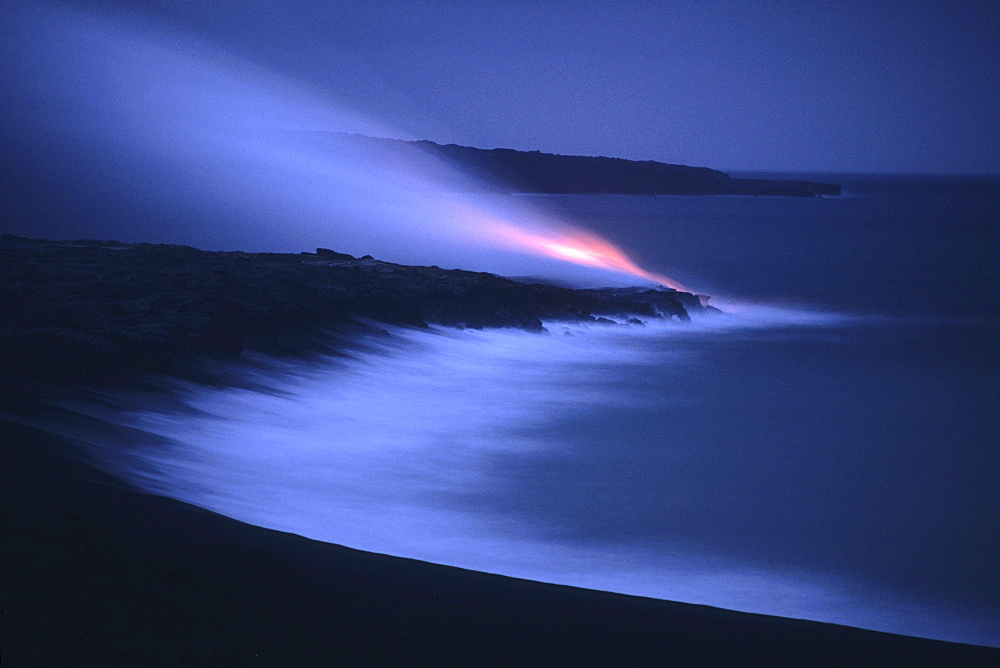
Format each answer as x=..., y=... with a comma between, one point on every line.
x=87, y=309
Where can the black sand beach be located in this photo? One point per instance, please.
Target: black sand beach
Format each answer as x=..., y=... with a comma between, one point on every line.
x=97, y=574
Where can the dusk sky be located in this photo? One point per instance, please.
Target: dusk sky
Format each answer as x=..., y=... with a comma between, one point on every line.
x=787, y=85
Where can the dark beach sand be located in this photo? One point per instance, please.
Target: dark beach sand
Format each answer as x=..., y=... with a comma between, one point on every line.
x=94, y=573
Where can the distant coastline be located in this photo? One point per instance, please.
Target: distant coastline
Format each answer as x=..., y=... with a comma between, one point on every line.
x=534, y=172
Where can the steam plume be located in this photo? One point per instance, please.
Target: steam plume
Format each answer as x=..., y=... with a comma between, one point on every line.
x=213, y=151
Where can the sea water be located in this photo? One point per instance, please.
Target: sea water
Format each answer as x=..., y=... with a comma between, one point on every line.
x=827, y=450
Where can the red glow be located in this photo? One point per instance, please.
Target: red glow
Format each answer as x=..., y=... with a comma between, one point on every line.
x=579, y=247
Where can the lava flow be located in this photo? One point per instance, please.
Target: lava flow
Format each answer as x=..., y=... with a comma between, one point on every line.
x=577, y=246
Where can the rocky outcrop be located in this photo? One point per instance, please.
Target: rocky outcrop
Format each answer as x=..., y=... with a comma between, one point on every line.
x=86, y=309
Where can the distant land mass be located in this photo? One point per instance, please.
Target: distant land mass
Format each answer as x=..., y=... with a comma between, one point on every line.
x=550, y=173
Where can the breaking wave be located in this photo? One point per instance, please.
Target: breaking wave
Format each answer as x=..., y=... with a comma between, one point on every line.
x=417, y=445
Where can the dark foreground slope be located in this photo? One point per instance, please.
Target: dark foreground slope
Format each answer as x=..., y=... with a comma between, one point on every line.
x=537, y=172
x=94, y=573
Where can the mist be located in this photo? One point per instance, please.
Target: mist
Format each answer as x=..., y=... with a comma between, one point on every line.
x=128, y=128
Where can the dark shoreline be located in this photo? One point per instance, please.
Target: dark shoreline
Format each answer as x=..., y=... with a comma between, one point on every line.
x=94, y=310
x=98, y=574
x=534, y=172
x=95, y=573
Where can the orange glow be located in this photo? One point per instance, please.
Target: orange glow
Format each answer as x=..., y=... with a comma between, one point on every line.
x=553, y=239
x=579, y=247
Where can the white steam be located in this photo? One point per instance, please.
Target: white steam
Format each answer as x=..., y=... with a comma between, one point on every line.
x=245, y=156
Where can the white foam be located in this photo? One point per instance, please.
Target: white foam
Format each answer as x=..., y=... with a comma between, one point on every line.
x=375, y=451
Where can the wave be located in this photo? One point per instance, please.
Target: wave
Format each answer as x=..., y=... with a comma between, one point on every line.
x=403, y=445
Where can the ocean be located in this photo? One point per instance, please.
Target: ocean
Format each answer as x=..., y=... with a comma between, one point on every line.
x=826, y=449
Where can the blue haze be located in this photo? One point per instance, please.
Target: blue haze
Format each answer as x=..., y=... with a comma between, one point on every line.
x=874, y=86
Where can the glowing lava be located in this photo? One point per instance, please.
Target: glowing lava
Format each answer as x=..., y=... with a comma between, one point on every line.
x=579, y=247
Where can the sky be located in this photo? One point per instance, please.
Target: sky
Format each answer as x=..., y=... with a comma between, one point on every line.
x=873, y=86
